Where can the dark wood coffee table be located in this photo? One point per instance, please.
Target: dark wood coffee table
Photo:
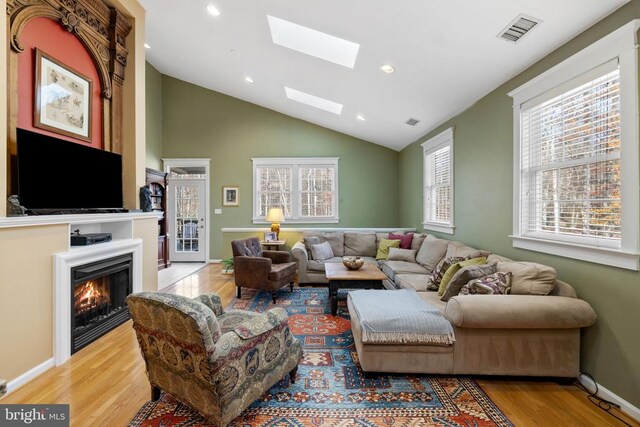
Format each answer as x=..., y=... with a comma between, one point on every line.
x=368, y=276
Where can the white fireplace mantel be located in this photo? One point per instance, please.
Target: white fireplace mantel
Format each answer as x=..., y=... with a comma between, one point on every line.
x=63, y=263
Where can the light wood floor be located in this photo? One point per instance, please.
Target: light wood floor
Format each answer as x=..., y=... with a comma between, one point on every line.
x=106, y=384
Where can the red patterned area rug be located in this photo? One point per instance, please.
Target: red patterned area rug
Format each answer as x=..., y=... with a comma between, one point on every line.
x=330, y=389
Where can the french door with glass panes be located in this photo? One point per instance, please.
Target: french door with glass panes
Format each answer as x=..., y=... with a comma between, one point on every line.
x=187, y=220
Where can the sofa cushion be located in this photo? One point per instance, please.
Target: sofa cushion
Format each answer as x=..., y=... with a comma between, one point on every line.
x=493, y=284
x=405, y=239
x=417, y=240
x=317, y=265
x=529, y=278
x=335, y=239
x=460, y=249
x=464, y=276
x=397, y=254
x=433, y=282
x=322, y=251
x=391, y=268
x=453, y=269
x=385, y=245
x=431, y=252
x=361, y=244
x=414, y=282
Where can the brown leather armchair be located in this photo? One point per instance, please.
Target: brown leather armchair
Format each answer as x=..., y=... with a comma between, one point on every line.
x=258, y=269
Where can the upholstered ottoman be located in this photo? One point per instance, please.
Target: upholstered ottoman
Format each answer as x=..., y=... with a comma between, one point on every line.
x=398, y=355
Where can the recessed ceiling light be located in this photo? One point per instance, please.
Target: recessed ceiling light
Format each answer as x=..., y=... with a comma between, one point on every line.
x=213, y=11
x=361, y=117
x=248, y=79
x=146, y=46
x=386, y=68
x=314, y=101
x=313, y=42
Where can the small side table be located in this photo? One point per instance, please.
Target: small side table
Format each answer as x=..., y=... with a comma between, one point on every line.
x=273, y=245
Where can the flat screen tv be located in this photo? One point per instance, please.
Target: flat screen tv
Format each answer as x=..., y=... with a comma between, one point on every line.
x=57, y=175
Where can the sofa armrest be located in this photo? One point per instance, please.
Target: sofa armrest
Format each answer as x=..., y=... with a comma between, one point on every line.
x=277, y=257
x=251, y=271
x=299, y=253
x=519, y=312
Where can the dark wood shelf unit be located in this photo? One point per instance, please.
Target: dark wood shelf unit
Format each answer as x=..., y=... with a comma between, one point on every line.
x=158, y=184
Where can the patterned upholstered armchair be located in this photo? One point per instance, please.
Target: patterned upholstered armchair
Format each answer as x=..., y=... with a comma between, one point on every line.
x=217, y=362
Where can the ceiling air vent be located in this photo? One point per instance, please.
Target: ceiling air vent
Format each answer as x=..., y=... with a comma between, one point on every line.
x=518, y=28
x=412, y=121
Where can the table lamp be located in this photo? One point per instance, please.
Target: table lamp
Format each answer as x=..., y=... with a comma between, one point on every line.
x=275, y=216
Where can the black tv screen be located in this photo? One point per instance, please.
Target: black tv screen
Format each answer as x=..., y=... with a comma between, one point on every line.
x=61, y=175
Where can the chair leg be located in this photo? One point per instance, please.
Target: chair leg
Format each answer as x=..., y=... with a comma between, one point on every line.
x=155, y=393
x=292, y=374
x=291, y=286
x=238, y=292
x=273, y=296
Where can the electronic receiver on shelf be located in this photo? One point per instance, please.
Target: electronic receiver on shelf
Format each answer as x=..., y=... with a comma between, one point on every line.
x=78, y=239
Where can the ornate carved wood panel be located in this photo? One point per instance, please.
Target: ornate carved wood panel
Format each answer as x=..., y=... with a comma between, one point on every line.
x=103, y=31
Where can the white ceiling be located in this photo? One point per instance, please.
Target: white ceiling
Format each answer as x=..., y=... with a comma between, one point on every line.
x=446, y=54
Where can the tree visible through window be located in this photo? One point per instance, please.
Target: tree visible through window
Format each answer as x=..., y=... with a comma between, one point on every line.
x=571, y=162
x=305, y=188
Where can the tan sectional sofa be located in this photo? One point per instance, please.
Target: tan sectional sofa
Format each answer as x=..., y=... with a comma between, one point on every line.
x=534, y=331
x=356, y=243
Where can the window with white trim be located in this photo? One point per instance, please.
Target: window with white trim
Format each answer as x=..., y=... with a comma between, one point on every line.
x=576, y=156
x=438, y=182
x=305, y=188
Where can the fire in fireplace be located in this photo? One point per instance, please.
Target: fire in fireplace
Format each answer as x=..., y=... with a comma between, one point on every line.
x=98, y=297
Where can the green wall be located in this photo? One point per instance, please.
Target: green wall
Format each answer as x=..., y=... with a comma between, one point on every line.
x=483, y=153
x=153, y=121
x=206, y=124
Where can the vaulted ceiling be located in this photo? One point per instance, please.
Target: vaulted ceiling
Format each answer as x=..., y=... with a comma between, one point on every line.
x=446, y=54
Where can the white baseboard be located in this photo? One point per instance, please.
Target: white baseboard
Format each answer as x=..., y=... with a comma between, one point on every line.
x=606, y=394
x=215, y=261
x=31, y=374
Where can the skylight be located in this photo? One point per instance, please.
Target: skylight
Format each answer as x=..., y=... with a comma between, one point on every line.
x=314, y=101
x=312, y=42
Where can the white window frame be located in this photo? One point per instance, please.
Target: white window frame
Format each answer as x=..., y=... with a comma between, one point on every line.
x=443, y=139
x=295, y=163
x=620, y=45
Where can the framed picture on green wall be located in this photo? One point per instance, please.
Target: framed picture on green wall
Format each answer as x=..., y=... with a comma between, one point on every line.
x=230, y=196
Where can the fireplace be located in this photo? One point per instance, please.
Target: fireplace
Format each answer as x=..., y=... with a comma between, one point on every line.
x=98, y=292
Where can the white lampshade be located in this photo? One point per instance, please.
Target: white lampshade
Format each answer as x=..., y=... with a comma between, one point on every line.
x=275, y=215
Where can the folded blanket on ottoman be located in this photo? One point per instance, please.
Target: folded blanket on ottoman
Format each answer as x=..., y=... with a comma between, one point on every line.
x=399, y=317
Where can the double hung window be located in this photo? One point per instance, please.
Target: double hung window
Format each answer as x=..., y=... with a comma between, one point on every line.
x=305, y=188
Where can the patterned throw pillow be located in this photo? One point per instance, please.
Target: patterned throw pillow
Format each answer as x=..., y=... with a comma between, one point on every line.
x=494, y=284
x=464, y=276
x=448, y=275
x=433, y=281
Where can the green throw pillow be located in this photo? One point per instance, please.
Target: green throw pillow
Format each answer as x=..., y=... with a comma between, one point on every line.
x=454, y=269
x=385, y=245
